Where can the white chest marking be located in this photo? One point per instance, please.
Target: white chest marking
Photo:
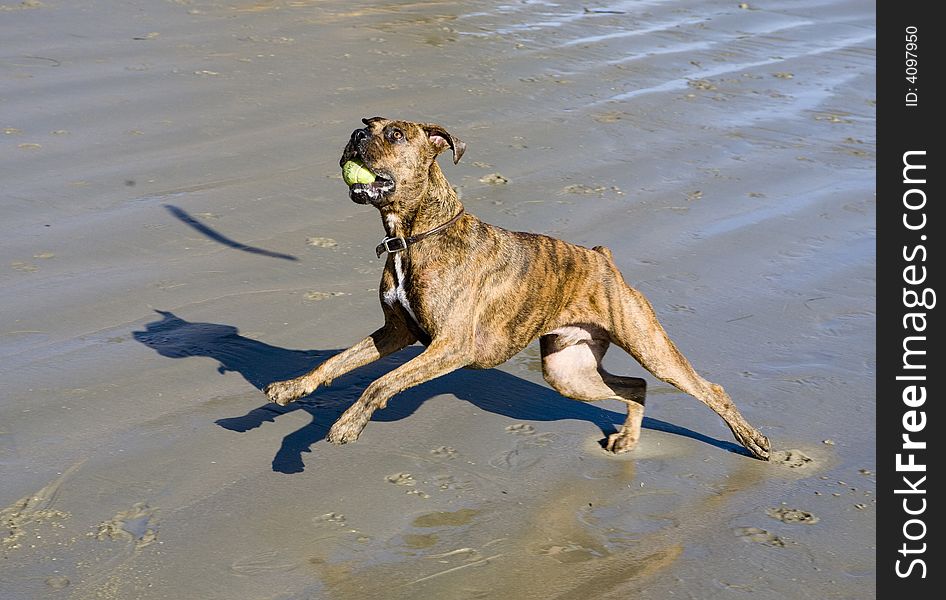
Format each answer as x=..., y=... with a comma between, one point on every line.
x=398, y=293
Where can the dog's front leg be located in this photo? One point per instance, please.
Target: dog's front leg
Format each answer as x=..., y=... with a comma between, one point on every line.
x=438, y=359
x=392, y=337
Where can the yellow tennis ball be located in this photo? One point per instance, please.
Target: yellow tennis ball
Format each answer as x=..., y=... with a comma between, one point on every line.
x=354, y=172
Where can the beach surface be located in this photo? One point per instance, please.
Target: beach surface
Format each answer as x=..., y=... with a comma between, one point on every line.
x=175, y=235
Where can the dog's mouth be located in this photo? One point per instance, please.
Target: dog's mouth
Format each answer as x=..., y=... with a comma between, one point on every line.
x=372, y=193
x=365, y=184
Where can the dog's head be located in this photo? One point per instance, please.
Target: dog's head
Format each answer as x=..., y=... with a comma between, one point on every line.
x=400, y=155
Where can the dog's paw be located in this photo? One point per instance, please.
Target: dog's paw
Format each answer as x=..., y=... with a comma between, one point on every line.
x=756, y=443
x=343, y=432
x=620, y=442
x=761, y=448
x=284, y=392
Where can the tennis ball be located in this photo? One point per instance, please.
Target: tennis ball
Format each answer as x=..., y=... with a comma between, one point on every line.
x=354, y=172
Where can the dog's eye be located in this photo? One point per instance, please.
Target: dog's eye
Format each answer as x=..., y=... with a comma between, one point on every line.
x=394, y=134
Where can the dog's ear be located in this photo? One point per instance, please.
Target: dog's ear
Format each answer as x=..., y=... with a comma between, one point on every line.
x=370, y=120
x=441, y=139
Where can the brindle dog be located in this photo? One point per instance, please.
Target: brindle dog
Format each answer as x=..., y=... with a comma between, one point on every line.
x=476, y=295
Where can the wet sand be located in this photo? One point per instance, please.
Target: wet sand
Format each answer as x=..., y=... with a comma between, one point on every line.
x=174, y=235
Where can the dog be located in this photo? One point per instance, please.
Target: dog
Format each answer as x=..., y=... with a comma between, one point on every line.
x=475, y=295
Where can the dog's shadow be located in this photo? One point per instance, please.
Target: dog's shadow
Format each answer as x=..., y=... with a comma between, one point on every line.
x=261, y=364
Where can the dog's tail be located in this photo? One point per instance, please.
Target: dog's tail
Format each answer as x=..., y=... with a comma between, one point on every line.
x=604, y=250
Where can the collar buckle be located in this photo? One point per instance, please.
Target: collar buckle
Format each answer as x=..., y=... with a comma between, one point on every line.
x=391, y=245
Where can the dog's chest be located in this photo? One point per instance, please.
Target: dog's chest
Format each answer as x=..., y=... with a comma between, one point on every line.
x=397, y=293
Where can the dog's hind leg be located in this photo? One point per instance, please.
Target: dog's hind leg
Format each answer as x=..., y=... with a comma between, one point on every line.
x=571, y=363
x=636, y=329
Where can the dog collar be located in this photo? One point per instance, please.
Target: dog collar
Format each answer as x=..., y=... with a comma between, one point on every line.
x=393, y=245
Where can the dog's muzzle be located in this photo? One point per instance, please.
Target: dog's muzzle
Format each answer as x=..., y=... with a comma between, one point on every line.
x=372, y=193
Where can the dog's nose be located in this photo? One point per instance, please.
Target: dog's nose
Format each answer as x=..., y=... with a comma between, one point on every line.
x=358, y=135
